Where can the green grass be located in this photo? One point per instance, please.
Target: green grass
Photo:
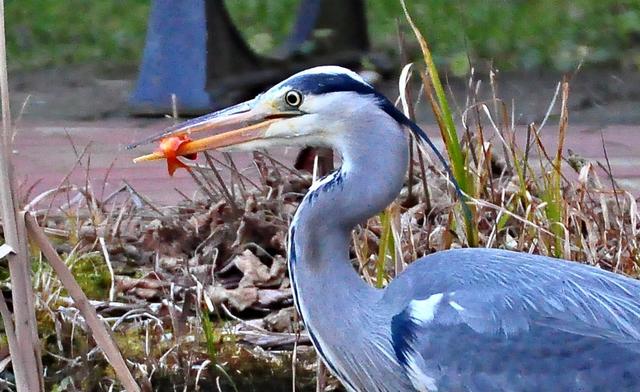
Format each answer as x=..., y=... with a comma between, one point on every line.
x=386, y=247
x=54, y=33
x=514, y=34
x=440, y=106
x=92, y=274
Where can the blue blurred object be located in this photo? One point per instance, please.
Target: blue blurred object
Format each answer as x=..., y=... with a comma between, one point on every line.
x=194, y=50
x=174, y=60
x=345, y=20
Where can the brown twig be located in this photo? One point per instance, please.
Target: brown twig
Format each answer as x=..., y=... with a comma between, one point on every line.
x=494, y=94
x=143, y=198
x=201, y=184
x=564, y=122
x=60, y=187
x=98, y=330
x=610, y=174
x=321, y=376
x=223, y=187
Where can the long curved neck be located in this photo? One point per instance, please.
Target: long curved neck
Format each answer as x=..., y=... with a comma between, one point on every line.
x=331, y=297
x=370, y=178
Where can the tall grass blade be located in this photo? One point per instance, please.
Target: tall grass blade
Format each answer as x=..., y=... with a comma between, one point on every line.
x=553, y=193
x=386, y=245
x=209, y=337
x=447, y=127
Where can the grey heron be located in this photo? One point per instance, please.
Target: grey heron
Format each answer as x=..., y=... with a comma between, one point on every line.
x=457, y=320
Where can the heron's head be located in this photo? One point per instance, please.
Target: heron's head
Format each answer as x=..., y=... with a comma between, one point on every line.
x=311, y=108
x=317, y=107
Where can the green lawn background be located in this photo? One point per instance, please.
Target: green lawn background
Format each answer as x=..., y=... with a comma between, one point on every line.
x=513, y=34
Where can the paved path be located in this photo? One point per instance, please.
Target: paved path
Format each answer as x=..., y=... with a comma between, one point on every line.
x=44, y=154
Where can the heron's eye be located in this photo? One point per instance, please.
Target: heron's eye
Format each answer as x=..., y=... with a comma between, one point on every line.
x=293, y=98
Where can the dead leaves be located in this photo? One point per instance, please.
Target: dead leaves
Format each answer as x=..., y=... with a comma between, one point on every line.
x=256, y=274
x=260, y=288
x=152, y=287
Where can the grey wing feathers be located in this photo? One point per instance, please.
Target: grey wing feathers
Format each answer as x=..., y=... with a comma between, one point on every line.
x=569, y=304
x=505, y=289
x=492, y=319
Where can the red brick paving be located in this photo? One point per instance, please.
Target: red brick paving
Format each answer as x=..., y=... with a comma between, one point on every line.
x=585, y=141
x=43, y=151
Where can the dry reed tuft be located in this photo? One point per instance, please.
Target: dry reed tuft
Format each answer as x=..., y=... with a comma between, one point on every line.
x=18, y=226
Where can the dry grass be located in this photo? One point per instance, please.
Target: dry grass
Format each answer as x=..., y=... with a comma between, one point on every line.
x=215, y=261
x=525, y=198
x=169, y=281
x=18, y=227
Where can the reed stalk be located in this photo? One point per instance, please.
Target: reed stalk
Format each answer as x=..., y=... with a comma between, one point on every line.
x=25, y=346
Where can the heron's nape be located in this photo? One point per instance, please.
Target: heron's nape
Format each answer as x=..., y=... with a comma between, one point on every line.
x=459, y=320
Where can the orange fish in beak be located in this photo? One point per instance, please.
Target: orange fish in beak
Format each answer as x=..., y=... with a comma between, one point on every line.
x=169, y=149
x=234, y=126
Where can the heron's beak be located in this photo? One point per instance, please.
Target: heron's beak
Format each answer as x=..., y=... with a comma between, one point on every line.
x=235, y=125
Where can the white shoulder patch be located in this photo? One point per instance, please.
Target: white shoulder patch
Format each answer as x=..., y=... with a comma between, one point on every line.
x=423, y=311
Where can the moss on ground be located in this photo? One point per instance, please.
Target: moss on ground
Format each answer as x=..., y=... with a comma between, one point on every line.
x=92, y=274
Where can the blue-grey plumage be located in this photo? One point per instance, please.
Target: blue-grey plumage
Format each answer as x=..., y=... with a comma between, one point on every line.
x=495, y=320
x=461, y=320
